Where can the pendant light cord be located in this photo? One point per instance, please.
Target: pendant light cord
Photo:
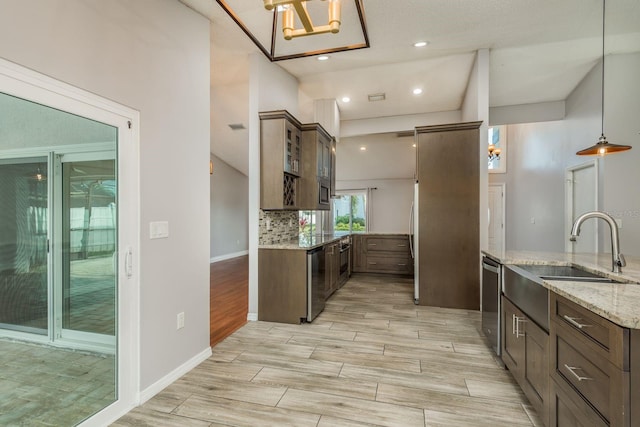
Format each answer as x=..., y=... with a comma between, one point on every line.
x=602, y=95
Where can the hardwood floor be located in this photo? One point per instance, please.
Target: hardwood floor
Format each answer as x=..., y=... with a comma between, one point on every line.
x=371, y=358
x=228, y=297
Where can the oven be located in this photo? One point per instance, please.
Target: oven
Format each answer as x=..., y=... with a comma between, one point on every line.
x=345, y=259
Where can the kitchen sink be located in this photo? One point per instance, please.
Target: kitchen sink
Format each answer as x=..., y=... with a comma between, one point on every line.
x=565, y=272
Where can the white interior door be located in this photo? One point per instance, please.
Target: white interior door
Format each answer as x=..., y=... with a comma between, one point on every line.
x=582, y=196
x=496, y=218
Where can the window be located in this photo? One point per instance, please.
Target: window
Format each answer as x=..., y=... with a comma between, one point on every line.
x=350, y=212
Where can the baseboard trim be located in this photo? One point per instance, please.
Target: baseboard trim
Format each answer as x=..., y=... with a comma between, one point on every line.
x=228, y=256
x=172, y=376
x=252, y=317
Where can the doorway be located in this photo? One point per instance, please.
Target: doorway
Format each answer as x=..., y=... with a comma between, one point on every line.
x=582, y=196
x=68, y=232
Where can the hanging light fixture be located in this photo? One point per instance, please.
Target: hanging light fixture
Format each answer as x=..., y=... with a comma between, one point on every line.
x=287, y=8
x=494, y=153
x=603, y=147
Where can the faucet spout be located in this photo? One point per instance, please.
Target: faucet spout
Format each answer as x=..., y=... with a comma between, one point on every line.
x=617, y=259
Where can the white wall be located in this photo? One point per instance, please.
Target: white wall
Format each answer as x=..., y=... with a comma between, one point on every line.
x=389, y=203
x=270, y=88
x=229, y=211
x=475, y=107
x=152, y=56
x=539, y=153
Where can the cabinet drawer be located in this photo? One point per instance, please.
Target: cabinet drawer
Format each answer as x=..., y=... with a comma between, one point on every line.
x=569, y=410
x=607, y=336
x=389, y=264
x=590, y=380
x=387, y=244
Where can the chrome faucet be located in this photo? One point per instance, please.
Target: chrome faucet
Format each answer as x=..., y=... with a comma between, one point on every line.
x=617, y=259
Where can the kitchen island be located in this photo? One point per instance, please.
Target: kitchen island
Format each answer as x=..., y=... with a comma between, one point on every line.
x=584, y=368
x=616, y=302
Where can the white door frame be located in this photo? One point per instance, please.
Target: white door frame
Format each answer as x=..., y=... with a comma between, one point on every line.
x=27, y=84
x=569, y=208
x=503, y=236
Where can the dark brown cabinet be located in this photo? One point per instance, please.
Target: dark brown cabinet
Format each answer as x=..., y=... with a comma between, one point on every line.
x=525, y=351
x=280, y=160
x=448, y=174
x=315, y=186
x=382, y=254
x=591, y=367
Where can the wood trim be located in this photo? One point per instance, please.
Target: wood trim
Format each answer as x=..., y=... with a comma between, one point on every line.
x=448, y=127
x=280, y=114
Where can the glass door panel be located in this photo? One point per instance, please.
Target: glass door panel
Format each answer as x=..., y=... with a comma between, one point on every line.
x=24, y=245
x=89, y=241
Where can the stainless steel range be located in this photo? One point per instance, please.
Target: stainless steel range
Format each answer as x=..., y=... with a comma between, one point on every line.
x=345, y=259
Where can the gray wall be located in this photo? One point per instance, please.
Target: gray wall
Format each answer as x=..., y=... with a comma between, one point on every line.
x=229, y=211
x=153, y=56
x=539, y=153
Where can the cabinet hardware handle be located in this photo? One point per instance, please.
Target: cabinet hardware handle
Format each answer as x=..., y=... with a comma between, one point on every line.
x=402, y=246
x=518, y=320
x=578, y=377
x=373, y=244
x=373, y=263
x=513, y=324
x=574, y=322
x=402, y=265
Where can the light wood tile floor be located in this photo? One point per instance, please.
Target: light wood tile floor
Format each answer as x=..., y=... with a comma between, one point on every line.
x=371, y=358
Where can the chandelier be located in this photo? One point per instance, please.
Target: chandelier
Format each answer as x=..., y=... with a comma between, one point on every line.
x=287, y=7
x=494, y=153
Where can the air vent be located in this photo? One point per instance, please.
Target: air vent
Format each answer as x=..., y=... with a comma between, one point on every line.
x=377, y=97
x=236, y=126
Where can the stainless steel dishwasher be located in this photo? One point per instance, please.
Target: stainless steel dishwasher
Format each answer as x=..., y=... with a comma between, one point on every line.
x=315, y=282
x=491, y=289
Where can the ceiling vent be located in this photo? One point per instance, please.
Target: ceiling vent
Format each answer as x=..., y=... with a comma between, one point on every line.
x=236, y=126
x=377, y=97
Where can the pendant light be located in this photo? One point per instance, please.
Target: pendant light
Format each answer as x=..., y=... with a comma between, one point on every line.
x=603, y=147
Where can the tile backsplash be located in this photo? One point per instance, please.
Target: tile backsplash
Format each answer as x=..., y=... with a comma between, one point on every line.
x=280, y=230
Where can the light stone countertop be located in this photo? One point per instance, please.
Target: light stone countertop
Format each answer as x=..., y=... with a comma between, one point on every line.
x=617, y=302
x=307, y=242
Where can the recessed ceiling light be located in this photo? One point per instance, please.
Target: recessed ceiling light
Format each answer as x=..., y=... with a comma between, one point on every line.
x=420, y=44
x=363, y=148
x=414, y=145
x=323, y=58
x=346, y=99
x=417, y=91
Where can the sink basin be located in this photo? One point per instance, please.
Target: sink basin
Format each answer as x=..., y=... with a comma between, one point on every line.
x=565, y=272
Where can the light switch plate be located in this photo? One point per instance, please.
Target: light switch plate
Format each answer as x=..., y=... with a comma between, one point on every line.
x=159, y=230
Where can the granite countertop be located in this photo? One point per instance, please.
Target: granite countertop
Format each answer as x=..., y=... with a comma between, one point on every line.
x=307, y=242
x=617, y=302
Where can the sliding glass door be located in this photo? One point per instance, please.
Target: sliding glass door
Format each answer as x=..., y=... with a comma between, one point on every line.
x=86, y=281
x=24, y=257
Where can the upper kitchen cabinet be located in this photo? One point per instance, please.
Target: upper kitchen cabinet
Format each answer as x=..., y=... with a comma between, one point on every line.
x=280, y=160
x=317, y=166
